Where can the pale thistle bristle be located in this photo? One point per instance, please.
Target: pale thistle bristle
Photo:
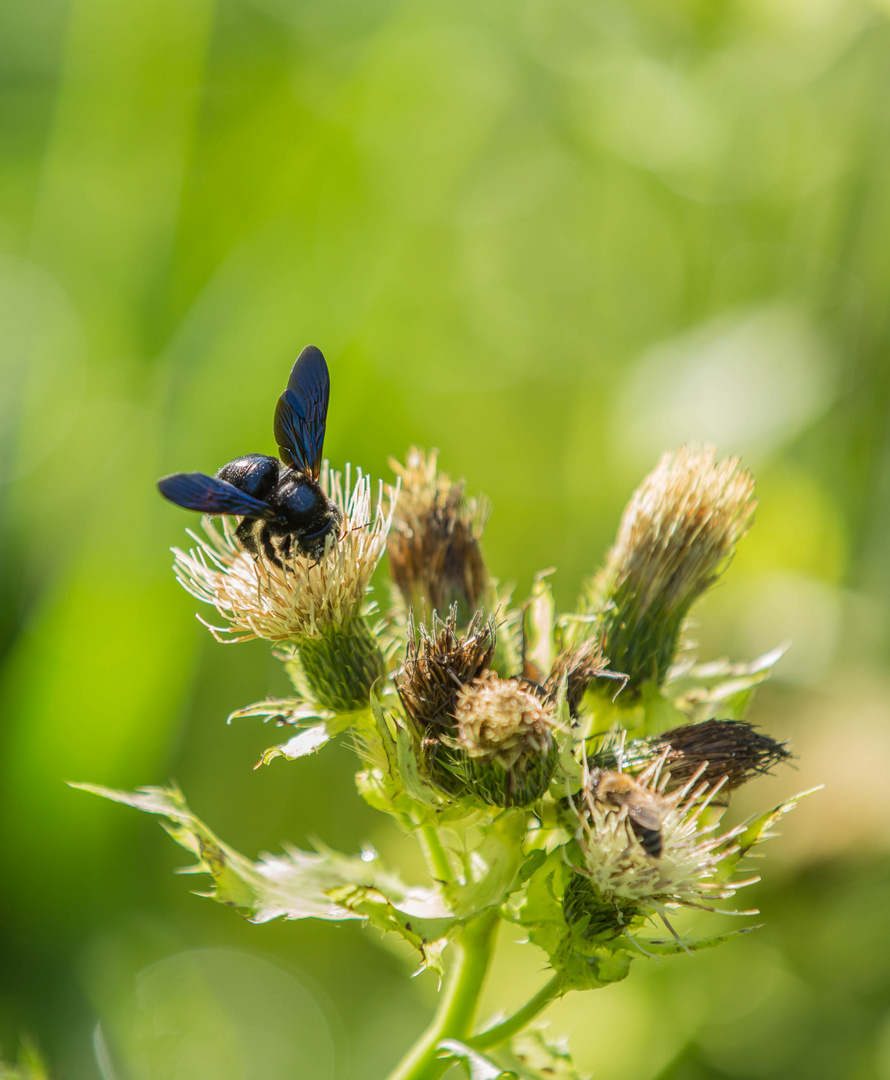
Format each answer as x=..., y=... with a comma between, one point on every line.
x=619, y=872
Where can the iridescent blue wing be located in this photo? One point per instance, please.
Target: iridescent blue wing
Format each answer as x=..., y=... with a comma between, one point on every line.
x=210, y=495
x=302, y=411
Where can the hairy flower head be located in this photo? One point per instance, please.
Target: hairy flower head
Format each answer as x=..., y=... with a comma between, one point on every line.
x=501, y=721
x=644, y=850
x=437, y=665
x=434, y=553
x=302, y=599
x=479, y=736
x=677, y=535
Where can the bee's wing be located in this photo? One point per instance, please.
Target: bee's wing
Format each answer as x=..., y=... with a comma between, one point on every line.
x=210, y=495
x=302, y=411
x=647, y=817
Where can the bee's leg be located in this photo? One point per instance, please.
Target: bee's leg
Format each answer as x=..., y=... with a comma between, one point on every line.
x=268, y=547
x=286, y=548
x=245, y=534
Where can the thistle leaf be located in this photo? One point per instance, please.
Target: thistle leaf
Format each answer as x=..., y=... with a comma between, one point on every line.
x=721, y=688
x=478, y=1066
x=534, y=1054
x=299, y=884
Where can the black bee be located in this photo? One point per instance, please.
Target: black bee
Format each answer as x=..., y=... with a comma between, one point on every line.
x=281, y=506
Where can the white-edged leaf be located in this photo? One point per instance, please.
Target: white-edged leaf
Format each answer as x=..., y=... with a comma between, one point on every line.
x=532, y=1055
x=477, y=1065
x=299, y=884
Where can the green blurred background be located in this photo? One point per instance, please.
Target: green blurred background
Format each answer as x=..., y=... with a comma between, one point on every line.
x=551, y=237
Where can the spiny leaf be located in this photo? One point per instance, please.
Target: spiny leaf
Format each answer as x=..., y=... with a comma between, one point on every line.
x=298, y=884
x=721, y=688
x=477, y=1065
x=533, y=1054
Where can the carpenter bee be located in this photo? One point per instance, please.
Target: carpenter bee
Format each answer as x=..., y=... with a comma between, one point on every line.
x=644, y=807
x=280, y=503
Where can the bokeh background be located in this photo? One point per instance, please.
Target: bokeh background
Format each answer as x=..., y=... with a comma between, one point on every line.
x=551, y=237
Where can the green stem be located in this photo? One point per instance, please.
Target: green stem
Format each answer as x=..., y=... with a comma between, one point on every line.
x=498, y=1034
x=460, y=999
x=436, y=856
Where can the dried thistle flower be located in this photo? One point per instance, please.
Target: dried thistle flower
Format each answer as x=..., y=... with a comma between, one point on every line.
x=580, y=668
x=438, y=665
x=625, y=874
x=479, y=735
x=317, y=607
x=434, y=554
x=731, y=751
x=676, y=537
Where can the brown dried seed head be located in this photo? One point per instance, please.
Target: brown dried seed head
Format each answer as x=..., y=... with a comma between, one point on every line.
x=438, y=665
x=727, y=748
x=434, y=554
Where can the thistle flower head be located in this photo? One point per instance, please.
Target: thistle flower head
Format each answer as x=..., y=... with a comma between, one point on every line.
x=503, y=743
x=726, y=752
x=434, y=552
x=644, y=850
x=500, y=721
x=302, y=599
x=677, y=535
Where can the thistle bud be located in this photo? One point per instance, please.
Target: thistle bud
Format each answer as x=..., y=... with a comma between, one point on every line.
x=676, y=537
x=479, y=736
x=730, y=751
x=434, y=554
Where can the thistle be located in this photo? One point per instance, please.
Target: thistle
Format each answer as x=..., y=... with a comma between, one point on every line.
x=675, y=539
x=626, y=874
x=536, y=799
x=580, y=669
x=503, y=743
x=434, y=553
x=724, y=752
x=315, y=610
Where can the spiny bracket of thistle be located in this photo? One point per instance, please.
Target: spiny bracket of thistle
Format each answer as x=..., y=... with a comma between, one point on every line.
x=435, y=557
x=676, y=537
x=324, y=884
x=532, y=1053
x=314, y=610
